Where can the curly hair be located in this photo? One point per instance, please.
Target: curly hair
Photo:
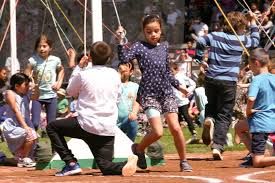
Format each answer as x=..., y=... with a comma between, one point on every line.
x=238, y=21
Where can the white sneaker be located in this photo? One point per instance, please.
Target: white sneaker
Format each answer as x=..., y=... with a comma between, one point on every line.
x=130, y=167
x=217, y=154
x=208, y=130
x=25, y=162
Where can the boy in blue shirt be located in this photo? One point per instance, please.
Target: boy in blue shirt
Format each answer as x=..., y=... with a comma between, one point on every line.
x=261, y=106
x=127, y=106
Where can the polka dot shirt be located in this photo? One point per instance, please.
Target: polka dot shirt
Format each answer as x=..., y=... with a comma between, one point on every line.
x=157, y=79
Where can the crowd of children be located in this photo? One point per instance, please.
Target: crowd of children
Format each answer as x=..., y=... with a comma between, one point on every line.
x=103, y=98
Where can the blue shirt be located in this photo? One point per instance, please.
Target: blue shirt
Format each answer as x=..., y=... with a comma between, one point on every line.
x=226, y=52
x=46, y=71
x=157, y=79
x=263, y=89
x=127, y=99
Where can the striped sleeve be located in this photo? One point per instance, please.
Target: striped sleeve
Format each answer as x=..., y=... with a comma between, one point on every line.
x=253, y=40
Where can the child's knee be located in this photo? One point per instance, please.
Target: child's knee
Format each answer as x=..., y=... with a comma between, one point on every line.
x=158, y=134
x=175, y=130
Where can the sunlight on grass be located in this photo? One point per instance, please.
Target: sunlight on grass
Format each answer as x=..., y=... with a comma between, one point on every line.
x=169, y=147
x=167, y=142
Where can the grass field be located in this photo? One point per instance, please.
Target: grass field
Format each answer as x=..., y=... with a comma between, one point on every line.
x=166, y=141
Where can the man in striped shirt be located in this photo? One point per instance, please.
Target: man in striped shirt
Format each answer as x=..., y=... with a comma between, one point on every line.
x=221, y=75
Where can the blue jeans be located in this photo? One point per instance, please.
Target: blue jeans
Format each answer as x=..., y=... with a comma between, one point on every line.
x=50, y=106
x=128, y=127
x=221, y=99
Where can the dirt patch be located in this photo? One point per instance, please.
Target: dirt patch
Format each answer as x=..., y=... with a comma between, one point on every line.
x=204, y=170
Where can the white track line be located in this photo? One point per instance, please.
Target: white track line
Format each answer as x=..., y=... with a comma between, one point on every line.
x=247, y=177
x=205, y=179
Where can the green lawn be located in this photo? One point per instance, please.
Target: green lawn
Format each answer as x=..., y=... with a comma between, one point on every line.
x=166, y=141
x=169, y=147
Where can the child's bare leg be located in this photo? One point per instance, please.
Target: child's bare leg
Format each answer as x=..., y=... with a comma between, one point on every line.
x=176, y=131
x=260, y=161
x=26, y=148
x=154, y=135
x=242, y=130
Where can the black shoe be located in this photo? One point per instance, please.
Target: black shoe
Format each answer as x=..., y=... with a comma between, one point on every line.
x=141, y=157
x=247, y=163
x=248, y=156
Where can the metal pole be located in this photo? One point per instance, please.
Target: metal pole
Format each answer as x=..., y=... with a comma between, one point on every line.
x=13, y=36
x=96, y=8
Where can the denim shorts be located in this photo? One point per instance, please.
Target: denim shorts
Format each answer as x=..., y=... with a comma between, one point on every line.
x=258, y=143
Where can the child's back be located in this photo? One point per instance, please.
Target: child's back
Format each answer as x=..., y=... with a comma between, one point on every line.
x=263, y=88
x=97, y=99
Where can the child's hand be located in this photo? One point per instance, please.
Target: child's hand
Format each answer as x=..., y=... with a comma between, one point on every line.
x=71, y=53
x=252, y=18
x=56, y=86
x=83, y=62
x=120, y=34
x=183, y=90
x=71, y=57
x=133, y=116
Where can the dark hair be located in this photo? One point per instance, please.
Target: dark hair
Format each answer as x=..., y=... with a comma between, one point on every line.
x=260, y=55
x=100, y=53
x=3, y=68
x=238, y=21
x=43, y=37
x=149, y=19
x=130, y=62
x=18, y=79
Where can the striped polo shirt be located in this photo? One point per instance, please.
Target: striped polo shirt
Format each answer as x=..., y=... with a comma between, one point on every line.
x=226, y=52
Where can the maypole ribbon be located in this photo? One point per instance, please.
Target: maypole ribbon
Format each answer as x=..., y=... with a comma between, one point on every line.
x=104, y=25
x=55, y=26
x=268, y=11
x=7, y=29
x=122, y=34
x=219, y=7
x=57, y=23
x=85, y=27
x=66, y=18
x=2, y=8
x=260, y=25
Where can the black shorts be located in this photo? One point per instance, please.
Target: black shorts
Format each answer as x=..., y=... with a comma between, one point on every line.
x=258, y=143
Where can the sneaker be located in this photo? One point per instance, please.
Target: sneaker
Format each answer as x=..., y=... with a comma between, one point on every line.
x=25, y=162
x=193, y=140
x=208, y=130
x=217, y=154
x=247, y=163
x=185, y=166
x=131, y=166
x=249, y=155
x=69, y=170
x=141, y=163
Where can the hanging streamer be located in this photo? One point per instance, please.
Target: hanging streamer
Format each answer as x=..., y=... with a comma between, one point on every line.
x=64, y=34
x=85, y=27
x=260, y=25
x=122, y=34
x=218, y=5
x=2, y=9
x=55, y=26
x=7, y=29
x=66, y=18
x=104, y=25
